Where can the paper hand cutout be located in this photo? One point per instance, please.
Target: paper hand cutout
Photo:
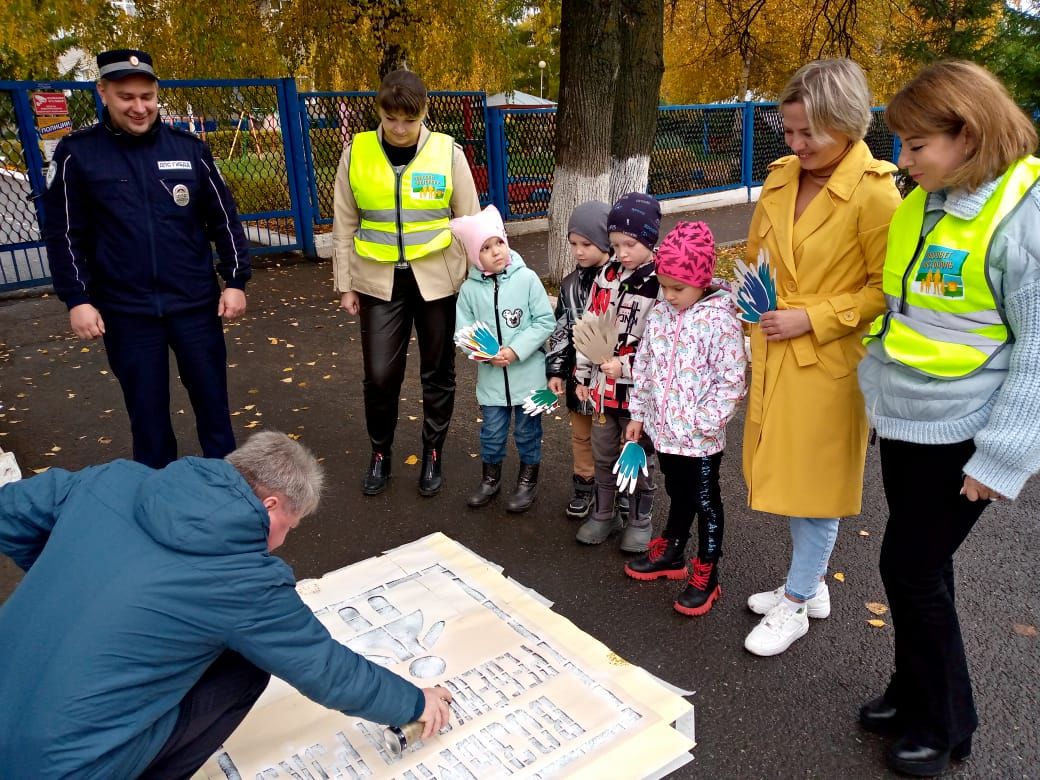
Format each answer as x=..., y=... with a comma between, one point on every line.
x=540, y=402
x=595, y=337
x=755, y=288
x=477, y=342
x=628, y=466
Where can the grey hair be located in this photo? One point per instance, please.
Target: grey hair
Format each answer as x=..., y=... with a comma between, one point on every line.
x=271, y=463
x=835, y=95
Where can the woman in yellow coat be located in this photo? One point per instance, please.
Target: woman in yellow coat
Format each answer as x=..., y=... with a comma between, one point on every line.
x=823, y=219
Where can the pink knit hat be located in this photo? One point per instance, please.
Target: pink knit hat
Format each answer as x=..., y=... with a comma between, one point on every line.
x=687, y=254
x=475, y=230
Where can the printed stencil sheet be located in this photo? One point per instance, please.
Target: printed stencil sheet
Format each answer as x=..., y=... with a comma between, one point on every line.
x=535, y=697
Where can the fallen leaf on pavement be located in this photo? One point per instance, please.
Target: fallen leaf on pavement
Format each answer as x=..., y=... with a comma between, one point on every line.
x=40, y=471
x=104, y=440
x=411, y=460
x=839, y=576
x=876, y=623
x=864, y=533
x=1024, y=630
x=877, y=608
x=287, y=379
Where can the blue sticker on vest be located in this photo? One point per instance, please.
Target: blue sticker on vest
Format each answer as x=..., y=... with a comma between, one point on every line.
x=429, y=186
x=940, y=272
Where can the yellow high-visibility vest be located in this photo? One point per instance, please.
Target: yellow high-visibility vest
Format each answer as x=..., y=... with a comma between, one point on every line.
x=942, y=318
x=403, y=216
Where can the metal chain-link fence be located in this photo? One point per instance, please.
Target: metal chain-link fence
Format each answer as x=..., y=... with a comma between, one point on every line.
x=332, y=119
x=242, y=125
x=22, y=263
x=696, y=149
x=529, y=150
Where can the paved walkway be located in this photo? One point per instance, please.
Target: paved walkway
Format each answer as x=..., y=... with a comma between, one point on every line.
x=295, y=366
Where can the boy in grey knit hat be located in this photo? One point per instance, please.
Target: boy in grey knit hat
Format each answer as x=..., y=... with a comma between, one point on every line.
x=590, y=248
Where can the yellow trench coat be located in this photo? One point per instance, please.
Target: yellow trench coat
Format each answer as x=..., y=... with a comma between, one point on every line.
x=806, y=428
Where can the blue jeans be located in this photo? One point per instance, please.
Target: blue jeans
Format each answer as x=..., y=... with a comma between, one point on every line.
x=813, y=539
x=527, y=432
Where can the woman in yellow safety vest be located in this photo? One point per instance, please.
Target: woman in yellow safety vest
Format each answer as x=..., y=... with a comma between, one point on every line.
x=951, y=381
x=396, y=264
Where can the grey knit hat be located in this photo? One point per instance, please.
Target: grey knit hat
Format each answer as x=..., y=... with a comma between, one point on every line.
x=589, y=220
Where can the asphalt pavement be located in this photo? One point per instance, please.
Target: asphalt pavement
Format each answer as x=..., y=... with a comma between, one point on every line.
x=295, y=366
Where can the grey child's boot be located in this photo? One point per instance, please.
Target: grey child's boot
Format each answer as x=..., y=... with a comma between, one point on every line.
x=640, y=522
x=604, y=521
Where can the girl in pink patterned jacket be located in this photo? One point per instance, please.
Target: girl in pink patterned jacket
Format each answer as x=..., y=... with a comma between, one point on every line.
x=688, y=376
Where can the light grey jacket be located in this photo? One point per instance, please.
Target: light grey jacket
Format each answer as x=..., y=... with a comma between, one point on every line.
x=998, y=407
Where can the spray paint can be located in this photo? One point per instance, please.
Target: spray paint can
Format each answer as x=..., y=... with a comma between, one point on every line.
x=397, y=739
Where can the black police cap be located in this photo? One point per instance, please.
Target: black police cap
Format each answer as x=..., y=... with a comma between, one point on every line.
x=120, y=63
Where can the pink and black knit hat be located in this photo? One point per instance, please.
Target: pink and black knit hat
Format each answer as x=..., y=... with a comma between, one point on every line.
x=687, y=254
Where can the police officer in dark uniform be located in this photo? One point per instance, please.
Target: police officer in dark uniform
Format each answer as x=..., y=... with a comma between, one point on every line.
x=131, y=208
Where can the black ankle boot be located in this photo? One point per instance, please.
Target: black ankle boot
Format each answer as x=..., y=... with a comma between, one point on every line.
x=663, y=558
x=490, y=482
x=526, y=489
x=911, y=758
x=701, y=590
x=581, y=500
x=430, y=479
x=879, y=716
x=378, y=474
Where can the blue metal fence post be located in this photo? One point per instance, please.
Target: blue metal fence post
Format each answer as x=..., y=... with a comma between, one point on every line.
x=290, y=108
x=498, y=184
x=26, y=122
x=897, y=148
x=747, y=147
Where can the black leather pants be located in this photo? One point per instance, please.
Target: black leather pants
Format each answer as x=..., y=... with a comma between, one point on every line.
x=386, y=327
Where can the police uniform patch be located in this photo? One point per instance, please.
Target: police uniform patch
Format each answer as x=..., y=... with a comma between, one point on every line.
x=180, y=195
x=174, y=165
x=52, y=171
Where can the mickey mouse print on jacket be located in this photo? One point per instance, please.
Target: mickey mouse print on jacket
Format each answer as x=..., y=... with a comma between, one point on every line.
x=516, y=308
x=689, y=375
x=629, y=296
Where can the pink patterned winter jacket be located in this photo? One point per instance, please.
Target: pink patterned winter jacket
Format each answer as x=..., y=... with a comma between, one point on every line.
x=689, y=374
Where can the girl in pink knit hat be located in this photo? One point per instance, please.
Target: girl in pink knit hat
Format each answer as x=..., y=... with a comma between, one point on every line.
x=688, y=377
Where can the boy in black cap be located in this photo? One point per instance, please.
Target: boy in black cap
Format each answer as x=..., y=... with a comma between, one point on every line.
x=626, y=289
x=130, y=209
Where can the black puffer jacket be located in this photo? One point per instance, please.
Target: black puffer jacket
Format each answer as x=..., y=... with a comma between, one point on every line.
x=560, y=358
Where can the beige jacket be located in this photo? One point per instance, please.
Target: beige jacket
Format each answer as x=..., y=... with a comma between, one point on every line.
x=438, y=275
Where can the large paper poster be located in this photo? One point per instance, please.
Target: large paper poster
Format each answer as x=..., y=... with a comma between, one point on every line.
x=535, y=697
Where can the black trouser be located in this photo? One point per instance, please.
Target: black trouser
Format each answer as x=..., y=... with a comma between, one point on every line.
x=386, y=327
x=928, y=520
x=692, y=485
x=138, y=349
x=209, y=713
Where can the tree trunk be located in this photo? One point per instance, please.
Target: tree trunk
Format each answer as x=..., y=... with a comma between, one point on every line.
x=641, y=61
x=588, y=70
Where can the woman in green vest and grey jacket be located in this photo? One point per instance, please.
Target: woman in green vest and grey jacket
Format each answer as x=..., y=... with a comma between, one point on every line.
x=951, y=381
x=395, y=262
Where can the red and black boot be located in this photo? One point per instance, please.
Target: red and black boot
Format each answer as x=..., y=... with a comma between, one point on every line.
x=702, y=589
x=663, y=558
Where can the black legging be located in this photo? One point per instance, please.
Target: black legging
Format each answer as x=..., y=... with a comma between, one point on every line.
x=692, y=485
x=386, y=327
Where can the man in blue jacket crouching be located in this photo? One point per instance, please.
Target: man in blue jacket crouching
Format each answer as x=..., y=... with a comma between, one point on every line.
x=152, y=615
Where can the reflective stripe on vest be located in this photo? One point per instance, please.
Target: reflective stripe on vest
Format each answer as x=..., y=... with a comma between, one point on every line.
x=942, y=317
x=403, y=216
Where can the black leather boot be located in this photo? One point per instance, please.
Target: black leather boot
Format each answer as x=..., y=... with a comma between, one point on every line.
x=490, y=482
x=430, y=479
x=879, y=716
x=526, y=489
x=911, y=758
x=378, y=474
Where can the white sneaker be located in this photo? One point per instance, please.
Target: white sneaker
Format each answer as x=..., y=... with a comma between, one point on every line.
x=819, y=606
x=777, y=631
